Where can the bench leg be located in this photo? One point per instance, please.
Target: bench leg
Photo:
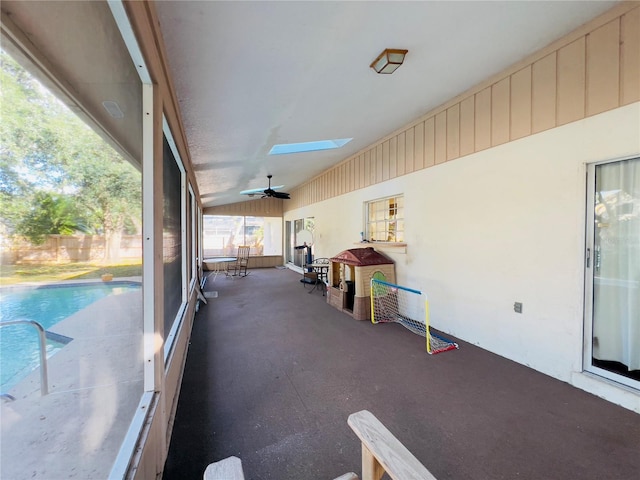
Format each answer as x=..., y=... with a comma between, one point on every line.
x=371, y=468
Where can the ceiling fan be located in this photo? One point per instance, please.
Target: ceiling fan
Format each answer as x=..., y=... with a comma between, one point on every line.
x=267, y=192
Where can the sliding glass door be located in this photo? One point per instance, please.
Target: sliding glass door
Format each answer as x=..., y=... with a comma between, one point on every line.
x=613, y=272
x=295, y=256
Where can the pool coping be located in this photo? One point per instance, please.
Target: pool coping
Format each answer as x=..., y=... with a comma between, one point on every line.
x=137, y=279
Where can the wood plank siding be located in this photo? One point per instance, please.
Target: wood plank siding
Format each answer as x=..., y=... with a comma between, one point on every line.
x=258, y=207
x=592, y=70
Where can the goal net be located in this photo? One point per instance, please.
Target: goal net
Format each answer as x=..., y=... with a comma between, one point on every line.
x=409, y=308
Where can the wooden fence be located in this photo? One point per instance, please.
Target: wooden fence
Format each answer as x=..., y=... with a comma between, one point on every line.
x=69, y=248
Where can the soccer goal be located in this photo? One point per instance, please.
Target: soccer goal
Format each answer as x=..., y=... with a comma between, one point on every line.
x=409, y=308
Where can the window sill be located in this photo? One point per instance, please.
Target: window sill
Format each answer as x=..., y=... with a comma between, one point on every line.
x=396, y=247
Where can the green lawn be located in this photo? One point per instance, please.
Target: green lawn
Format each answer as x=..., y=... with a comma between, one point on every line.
x=15, y=274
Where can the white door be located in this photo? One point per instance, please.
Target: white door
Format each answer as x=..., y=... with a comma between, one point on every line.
x=612, y=330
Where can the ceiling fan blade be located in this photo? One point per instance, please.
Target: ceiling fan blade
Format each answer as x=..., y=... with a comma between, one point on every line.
x=283, y=195
x=259, y=190
x=252, y=191
x=267, y=192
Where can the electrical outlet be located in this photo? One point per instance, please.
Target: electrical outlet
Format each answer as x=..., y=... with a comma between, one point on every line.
x=517, y=307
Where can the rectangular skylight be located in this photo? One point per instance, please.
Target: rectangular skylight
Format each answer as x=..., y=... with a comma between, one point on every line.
x=308, y=146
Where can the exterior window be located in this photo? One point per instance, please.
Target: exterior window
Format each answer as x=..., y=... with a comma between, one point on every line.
x=224, y=234
x=385, y=220
x=193, y=206
x=81, y=204
x=173, y=240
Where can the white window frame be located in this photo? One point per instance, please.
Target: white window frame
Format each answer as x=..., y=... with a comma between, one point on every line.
x=192, y=280
x=244, y=235
x=199, y=238
x=587, y=355
x=122, y=462
x=175, y=327
x=367, y=222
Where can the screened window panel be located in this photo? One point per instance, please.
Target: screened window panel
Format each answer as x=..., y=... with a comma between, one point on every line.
x=171, y=237
x=223, y=235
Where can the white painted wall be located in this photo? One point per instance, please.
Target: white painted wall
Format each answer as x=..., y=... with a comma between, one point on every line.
x=503, y=225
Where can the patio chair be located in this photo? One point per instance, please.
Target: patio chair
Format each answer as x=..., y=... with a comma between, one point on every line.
x=239, y=267
x=318, y=275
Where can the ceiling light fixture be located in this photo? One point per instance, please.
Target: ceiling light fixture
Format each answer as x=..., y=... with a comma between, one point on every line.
x=389, y=60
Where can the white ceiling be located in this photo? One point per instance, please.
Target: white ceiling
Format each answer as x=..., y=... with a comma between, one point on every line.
x=249, y=75
x=76, y=50
x=252, y=74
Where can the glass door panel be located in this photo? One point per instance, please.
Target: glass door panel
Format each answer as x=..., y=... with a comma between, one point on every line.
x=613, y=272
x=288, y=242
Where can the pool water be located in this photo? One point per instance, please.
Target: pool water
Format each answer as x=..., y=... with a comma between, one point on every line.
x=47, y=305
x=18, y=362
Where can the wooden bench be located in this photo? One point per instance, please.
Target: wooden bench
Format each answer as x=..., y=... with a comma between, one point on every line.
x=348, y=476
x=228, y=469
x=381, y=452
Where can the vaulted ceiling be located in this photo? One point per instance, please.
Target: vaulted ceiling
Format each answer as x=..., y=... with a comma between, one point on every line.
x=249, y=75
x=253, y=74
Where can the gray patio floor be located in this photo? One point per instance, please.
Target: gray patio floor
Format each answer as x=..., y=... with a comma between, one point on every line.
x=273, y=373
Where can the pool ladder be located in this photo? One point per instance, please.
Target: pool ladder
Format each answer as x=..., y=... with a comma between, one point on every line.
x=44, y=382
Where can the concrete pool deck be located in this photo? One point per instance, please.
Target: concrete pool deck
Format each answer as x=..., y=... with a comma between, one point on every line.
x=95, y=385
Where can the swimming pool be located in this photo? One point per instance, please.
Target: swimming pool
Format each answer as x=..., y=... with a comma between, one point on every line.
x=46, y=305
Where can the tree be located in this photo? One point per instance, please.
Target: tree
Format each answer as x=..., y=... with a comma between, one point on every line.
x=20, y=131
x=50, y=214
x=30, y=137
x=109, y=190
x=56, y=174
